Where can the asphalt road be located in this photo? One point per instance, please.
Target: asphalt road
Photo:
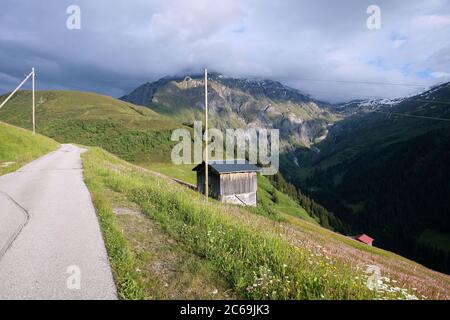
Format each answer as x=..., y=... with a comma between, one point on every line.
x=50, y=241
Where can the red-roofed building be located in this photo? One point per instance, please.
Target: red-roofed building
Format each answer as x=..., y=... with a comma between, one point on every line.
x=364, y=238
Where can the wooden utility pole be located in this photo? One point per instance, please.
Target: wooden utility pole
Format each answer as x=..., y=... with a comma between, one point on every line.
x=33, y=98
x=206, y=134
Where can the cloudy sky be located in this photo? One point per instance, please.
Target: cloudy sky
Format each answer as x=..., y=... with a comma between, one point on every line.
x=323, y=48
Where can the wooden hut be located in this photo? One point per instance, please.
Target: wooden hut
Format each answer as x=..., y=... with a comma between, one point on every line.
x=230, y=182
x=364, y=238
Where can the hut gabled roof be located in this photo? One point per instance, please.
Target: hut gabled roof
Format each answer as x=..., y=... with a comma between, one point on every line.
x=364, y=238
x=234, y=166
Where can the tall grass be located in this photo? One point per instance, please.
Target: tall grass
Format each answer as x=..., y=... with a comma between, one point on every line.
x=121, y=258
x=257, y=263
x=20, y=146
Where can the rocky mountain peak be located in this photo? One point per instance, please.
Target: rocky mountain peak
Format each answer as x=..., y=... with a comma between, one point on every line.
x=239, y=103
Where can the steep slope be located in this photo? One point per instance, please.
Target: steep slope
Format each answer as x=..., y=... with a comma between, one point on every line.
x=151, y=224
x=134, y=133
x=223, y=245
x=387, y=173
x=273, y=201
x=19, y=146
x=239, y=103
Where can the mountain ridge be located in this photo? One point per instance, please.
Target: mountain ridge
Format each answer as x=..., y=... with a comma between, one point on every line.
x=366, y=105
x=251, y=84
x=240, y=103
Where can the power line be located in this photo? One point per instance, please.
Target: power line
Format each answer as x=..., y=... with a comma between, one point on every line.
x=357, y=96
x=410, y=115
x=400, y=100
x=428, y=101
x=365, y=82
x=393, y=101
x=32, y=74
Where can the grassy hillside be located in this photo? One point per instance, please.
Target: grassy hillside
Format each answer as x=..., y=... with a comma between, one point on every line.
x=151, y=225
x=134, y=133
x=19, y=146
x=269, y=198
x=387, y=175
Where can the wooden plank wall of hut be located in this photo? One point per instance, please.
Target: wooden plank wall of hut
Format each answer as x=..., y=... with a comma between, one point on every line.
x=238, y=183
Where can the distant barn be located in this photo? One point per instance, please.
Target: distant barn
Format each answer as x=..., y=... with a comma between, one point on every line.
x=230, y=182
x=364, y=238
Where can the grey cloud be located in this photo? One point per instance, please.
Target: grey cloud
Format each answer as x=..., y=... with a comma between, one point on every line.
x=305, y=44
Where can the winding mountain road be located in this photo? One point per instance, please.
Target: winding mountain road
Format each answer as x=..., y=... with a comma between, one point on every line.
x=51, y=245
